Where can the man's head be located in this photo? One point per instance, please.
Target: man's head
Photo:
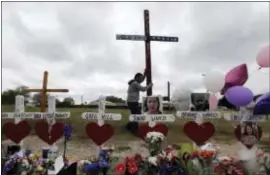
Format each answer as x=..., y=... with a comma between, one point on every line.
x=139, y=77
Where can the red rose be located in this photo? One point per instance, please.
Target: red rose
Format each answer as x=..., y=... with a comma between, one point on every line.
x=132, y=168
x=120, y=168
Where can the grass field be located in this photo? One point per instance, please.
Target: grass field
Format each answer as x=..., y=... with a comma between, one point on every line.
x=224, y=128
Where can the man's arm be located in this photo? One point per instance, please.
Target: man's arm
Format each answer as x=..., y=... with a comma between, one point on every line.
x=142, y=88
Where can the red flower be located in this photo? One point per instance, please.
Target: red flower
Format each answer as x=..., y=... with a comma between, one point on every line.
x=218, y=170
x=132, y=168
x=120, y=168
x=130, y=160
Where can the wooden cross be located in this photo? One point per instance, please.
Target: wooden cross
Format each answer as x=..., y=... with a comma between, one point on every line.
x=147, y=38
x=44, y=91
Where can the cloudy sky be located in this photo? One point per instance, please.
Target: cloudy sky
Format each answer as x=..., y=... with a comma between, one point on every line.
x=75, y=42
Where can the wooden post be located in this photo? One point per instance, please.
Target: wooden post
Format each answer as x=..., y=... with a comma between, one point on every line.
x=44, y=91
x=147, y=38
x=147, y=51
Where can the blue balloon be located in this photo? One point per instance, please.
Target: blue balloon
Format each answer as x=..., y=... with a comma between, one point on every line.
x=262, y=107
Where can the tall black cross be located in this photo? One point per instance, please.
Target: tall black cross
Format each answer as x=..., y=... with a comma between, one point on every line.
x=147, y=38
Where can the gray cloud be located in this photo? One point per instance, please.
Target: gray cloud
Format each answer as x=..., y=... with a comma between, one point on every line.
x=75, y=42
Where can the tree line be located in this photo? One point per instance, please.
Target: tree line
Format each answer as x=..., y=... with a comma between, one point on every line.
x=8, y=98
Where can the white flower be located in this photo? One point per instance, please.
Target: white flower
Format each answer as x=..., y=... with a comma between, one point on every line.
x=154, y=136
x=152, y=160
x=169, y=156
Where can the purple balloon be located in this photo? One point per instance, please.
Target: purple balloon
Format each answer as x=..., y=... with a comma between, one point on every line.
x=263, y=96
x=239, y=96
x=262, y=106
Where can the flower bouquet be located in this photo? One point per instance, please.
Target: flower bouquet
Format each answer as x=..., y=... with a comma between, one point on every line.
x=29, y=163
x=159, y=162
x=200, y=161
x=96, y=166
x=229, y=167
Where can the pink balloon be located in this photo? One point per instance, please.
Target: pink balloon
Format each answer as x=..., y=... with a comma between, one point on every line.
x=213, y=102
x=236, y=77
x=263, y=57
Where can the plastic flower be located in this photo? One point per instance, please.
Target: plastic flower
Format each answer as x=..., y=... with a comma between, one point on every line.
x=67, y=131
x=120, y=168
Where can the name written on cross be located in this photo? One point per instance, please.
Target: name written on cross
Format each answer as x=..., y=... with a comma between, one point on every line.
x=152, y=118
x=35, y=115
x=188, y=114
x=106, y=116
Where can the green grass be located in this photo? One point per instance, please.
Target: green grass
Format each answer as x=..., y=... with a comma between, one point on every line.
x=224, y=128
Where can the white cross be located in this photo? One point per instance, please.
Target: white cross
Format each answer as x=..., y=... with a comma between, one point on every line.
x=152, y=119
x=19, y=109
x=50, y=116
x=101, y=116
x=198, y=116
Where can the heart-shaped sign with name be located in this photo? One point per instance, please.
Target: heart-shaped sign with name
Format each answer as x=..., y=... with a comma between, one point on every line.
x=145, y=128
x=16, y=132
x=99, y=134
x=42, y=131
x=247, y=134
x=199, y=133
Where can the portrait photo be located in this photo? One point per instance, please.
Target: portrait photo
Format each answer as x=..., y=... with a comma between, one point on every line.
x=152, y=105
x=250, y=133
x=199, y=101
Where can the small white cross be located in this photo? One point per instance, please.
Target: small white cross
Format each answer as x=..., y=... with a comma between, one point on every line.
x=101, y=116
x=198, y=117
x=19, y=113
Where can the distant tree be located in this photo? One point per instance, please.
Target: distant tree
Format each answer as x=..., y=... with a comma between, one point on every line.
x=114, y=99
x=8, y=96
x=68, y=101
x=36, y=98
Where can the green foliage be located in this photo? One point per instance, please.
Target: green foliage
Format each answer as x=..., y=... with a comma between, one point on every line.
x=114, y=99
x=8, y=96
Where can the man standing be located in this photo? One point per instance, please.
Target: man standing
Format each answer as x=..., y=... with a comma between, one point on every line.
x=133, y=97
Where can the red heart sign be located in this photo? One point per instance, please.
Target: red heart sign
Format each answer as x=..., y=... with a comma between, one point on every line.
x=99, y=134
x=42, y=130
x=248, y=139
x=145, y=128
x=199, y=133
x=16, y=132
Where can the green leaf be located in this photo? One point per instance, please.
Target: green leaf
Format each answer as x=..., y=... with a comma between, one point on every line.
x=191, y=168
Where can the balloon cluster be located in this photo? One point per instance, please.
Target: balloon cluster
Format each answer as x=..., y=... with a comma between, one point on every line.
x=230, y=85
